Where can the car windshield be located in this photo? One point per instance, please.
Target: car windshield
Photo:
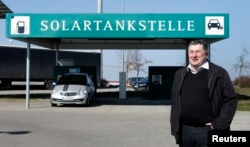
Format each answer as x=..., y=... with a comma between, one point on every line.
x=73, y=79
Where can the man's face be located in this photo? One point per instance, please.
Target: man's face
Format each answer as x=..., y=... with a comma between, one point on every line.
x=196, y=55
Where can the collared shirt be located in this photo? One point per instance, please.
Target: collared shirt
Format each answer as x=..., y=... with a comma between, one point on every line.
x=203, y=66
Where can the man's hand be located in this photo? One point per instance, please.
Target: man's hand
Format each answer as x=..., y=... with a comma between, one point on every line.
x=209, y=124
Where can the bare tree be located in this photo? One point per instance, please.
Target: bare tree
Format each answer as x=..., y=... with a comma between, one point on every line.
x=138, y=62
x=242, y=65
x=133, y=60
x=129, y=61
x=126, y=55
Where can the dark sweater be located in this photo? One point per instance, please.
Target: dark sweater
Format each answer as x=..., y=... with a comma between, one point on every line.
x=196, y=107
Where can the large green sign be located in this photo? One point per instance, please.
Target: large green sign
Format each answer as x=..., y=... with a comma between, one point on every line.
x=117, y=26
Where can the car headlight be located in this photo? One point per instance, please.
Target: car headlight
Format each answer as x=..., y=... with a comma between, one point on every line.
x=82, y=92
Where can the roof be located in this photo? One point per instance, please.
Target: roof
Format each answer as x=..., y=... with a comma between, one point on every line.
x=68, y=43
x=3, y=10
x=104, y=43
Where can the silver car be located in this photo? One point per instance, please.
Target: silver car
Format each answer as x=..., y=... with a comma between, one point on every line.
x=73, y=88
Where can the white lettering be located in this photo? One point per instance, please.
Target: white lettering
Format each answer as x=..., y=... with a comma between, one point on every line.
x=142, y=25
x=162, y=25
x=44, y=26
x=130, y=25
x=64, y=26
x=190, y=25
x=179, y=26
x=120, y=25
x=75, y=26
x=151, y=23
x=244, y=139
x=107, y=26
x=216, y=138
x=97, y=22
x=87, y=24
x=54, y=25
x=170, y=26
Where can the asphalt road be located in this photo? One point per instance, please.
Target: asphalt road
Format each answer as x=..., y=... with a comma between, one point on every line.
x=106, y=123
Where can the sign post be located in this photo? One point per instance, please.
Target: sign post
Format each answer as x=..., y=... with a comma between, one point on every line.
x=122, y=85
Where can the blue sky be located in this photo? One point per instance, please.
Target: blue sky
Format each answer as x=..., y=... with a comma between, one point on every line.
x=223, y=53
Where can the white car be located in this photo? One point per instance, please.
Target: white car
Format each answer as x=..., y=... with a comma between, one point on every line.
x=73, y=88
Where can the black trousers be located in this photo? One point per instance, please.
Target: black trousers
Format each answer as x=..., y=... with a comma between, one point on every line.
x=194, y=136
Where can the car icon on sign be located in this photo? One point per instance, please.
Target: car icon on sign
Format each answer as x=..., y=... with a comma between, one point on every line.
x=214, y=23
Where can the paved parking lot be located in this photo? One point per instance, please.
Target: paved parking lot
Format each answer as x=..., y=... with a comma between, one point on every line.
x=106, y=123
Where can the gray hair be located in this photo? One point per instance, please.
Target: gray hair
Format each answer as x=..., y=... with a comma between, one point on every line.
x=202, y=42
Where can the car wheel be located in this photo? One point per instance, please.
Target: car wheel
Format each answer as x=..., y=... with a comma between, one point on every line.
x=52, y=104
x=49, y=85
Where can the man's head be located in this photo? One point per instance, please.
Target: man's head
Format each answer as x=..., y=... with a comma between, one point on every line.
x=197, y=53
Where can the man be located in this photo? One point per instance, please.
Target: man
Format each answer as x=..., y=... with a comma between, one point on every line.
x=203, y=98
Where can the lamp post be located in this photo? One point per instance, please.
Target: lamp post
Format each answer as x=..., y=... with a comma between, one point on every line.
x=122, y=75
x=123, y=69
x=122, y=6
x=99, y=10
x=99, y=5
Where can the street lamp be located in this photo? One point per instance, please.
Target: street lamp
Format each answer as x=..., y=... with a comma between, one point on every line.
x=123, y=49
x=99, y=10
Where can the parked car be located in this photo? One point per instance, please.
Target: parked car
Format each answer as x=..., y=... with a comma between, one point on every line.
x=132, y=80
x=143, y=84
x=73, y=88
x=109, y=84
x=104, y=83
